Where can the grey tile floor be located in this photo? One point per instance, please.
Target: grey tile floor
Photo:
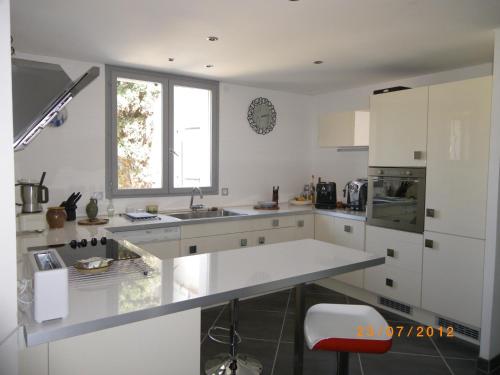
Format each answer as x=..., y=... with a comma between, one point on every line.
x=267, y=328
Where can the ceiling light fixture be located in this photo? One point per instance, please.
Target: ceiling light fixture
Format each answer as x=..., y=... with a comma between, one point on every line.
x=317, y=62
x=209, y=66
x=212, y=38
x=171, y=59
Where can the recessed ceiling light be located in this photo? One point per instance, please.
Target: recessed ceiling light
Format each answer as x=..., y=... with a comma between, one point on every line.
x=212, y=38
x=317, y=62
x=209, y=66
x=171, y=59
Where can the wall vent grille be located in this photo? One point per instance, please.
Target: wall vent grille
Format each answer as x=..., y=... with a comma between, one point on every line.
x=459, y=328
x=395, y=305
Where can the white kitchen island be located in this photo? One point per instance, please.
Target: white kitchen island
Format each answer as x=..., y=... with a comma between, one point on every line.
x=172, y=296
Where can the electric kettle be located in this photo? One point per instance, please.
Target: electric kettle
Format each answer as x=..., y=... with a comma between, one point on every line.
x=33, y=194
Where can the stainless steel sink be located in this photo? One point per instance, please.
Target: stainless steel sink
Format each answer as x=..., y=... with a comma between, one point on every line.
x=204, y=214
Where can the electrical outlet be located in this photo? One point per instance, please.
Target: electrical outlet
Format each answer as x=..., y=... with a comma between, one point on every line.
x=225, y=192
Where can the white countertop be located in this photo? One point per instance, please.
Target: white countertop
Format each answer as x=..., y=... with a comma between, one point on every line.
x=73, y=231
x=195, y=281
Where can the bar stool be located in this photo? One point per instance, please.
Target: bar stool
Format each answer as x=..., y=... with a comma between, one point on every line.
x=344, y=329
x=232, y=363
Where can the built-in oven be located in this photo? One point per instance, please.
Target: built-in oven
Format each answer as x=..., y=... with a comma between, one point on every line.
x=396, y=198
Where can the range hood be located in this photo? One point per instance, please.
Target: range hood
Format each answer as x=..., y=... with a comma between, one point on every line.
x=39, y=92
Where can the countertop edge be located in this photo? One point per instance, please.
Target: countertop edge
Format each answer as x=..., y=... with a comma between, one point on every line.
x=49, y=335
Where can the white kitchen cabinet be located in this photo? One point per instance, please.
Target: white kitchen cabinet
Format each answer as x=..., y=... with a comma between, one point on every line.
x=344, y=129
x=398, y=128
x=165, y=345
x=457, y=157
x=211, y=244
x=393, y=282
x=452, y=282
x=251, y=233
x=344, y=232
x=401, y=249
x=162, y=249
x=304, y=227
x=400, y=278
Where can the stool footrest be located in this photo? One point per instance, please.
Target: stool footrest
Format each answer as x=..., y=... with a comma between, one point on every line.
x=212, y=334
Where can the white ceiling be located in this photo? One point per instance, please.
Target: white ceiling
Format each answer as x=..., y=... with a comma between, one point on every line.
x=266, y=43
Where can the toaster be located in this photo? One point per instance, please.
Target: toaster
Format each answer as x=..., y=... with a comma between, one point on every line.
x=50, y=285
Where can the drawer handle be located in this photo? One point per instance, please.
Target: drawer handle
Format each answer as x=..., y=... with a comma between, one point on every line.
x=262, y=240
x=430, y=212
x=391, y=253
x=276, y=223
x=300, y=223
x=347, y=228
x=389, y=282
x=243, y=242
x=417, y=155
x=193, y=249
x=429, y=244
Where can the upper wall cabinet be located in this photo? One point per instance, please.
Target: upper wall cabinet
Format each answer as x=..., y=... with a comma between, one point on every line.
x=344, y=129
x=398, y=128
x=457, y=157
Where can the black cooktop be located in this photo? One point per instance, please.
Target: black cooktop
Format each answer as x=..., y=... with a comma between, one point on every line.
x=106, y=248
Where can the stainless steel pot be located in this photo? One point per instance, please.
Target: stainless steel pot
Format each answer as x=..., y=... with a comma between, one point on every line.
x=32, y=196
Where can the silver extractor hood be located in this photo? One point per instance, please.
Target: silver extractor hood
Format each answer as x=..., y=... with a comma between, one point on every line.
x=39, y=92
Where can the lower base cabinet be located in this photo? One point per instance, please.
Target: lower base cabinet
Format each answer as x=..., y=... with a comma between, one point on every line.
x=452, y=282
x=344, y=232
x=168, y=344
x=288, y=228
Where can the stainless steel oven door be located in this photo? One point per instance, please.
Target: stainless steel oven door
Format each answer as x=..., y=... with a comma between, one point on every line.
x=396, y=198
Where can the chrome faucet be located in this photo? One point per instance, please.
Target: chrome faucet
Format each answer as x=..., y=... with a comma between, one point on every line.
x=192, y=206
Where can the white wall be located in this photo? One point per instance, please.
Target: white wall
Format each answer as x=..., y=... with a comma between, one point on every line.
x=250, y=164
x=8, y=301
x=344, y=166
x=490, y=326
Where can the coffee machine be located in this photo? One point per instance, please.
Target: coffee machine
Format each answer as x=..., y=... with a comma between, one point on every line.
x=326, y=195
x=356, y=192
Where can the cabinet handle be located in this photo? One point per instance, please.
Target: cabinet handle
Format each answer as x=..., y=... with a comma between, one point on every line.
x=300, y=223
x=193, y=249
x=429, y=244
x=417, y=155
x=262, y=240
x=389, y=282
x=276, y=223
x=430, y=212
x=243, y=242
x=347, y=228
x=391, y=253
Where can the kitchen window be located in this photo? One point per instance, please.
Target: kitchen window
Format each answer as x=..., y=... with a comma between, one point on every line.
x=161, y=135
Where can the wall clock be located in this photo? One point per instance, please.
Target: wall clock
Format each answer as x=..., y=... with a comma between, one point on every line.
x=261, y=115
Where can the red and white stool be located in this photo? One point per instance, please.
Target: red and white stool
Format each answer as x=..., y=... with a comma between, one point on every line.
x=344, y=329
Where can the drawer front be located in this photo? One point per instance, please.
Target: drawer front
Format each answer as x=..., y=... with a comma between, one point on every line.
x=304, y=227
x=211, y=244
x=274, y=222
x=349, y=233
x=395, y=283
x=162, y=249
x=211, y=229
x=401, y=249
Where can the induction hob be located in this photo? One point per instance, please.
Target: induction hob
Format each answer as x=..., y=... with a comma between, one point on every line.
x=106, y=248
